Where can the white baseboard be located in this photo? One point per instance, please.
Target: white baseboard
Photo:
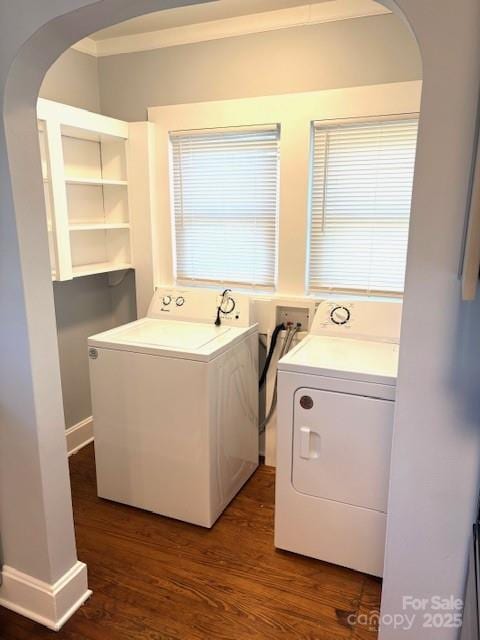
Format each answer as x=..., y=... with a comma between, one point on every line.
x=79, y=435
x=48, y=604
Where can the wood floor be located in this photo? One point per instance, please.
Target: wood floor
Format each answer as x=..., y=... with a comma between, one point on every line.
x=158, y=579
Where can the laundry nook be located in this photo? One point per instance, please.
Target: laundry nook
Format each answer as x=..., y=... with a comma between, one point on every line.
x=239, y=259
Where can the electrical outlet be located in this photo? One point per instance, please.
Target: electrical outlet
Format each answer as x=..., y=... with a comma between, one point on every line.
x=293, y=315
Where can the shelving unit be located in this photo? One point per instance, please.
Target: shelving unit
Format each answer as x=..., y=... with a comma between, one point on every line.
x=96, y=226
x=84, y=165
x=100, y=267
x=96, y=182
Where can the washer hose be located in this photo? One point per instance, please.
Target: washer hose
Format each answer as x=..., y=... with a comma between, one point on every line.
x=287, y=345
x=268, y=360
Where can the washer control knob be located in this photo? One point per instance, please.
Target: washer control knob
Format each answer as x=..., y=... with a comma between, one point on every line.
x=166, y=300
x=180, y=301
x=340, y=315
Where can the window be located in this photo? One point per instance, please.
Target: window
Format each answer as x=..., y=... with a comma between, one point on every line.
x=225, y=205
x=361, y=188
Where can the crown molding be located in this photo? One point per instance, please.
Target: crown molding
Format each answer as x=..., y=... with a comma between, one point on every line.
x=87, y=45
x=309, y=14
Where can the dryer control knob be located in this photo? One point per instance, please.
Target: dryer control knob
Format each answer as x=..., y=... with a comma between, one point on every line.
x=166, y=300
x=340, y=315
x=180, y=301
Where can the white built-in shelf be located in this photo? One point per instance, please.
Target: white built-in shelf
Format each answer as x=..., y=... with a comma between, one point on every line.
x=99, y=267
x=81, y=124
x=98, y=226
x=84, y=167
x=96, y=181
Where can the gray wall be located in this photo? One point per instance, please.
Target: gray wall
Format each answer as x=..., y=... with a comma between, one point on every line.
x=325, y=56
x=73, y=80
x=83, y=306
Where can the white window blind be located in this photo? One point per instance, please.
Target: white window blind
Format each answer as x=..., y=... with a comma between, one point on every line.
x=225, y=205
x=361, y=188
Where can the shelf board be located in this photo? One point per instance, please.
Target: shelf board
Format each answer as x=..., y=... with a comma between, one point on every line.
x=96, y=181
x=95, y=135
x=98, y=226
x=99, y=267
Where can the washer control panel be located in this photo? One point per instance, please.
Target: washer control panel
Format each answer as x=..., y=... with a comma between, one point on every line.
x=201, y=305
x=179, y=301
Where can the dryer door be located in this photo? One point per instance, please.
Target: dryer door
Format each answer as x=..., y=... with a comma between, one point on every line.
x=341, y=447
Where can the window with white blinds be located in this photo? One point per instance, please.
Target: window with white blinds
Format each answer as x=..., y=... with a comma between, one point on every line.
x=225, y=205
x=361, y=189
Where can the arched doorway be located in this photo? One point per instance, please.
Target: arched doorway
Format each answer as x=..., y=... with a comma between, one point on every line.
x=29, y=412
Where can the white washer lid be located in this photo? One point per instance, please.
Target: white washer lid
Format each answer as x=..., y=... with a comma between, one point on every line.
x=346, y=358
x=189, y=340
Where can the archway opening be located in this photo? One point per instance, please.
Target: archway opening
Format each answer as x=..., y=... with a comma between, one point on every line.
x=294, y=292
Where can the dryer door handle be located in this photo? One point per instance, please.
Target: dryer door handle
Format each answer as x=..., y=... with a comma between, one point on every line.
x=309, y=443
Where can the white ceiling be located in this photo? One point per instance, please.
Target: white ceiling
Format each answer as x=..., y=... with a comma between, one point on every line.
x=217, y=10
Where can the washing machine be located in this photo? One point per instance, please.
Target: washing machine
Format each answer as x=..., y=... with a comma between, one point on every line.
x=175, y=405
x=336, y=393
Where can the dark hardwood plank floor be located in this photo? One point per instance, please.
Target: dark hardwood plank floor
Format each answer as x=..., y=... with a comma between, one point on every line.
x=159, y=579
